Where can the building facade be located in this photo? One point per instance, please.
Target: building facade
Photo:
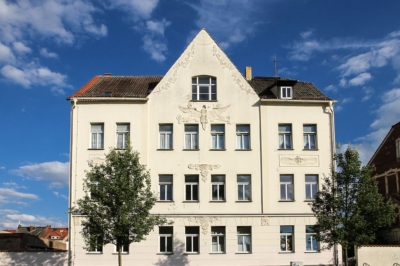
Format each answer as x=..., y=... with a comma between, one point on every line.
x=234, y=159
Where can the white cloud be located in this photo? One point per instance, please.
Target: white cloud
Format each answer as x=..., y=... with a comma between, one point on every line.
x=368, y=92
x=346, y=100
x=360, y=79
x=54, y=172
x=306, y=34
x=10, y=193
x=330, y=88
x=6, y=55
x=45, y=53
x=138, y=9
x=58, y=195
x=154, y=41
x=229, y=22
x=11, y=221
x=21, y=48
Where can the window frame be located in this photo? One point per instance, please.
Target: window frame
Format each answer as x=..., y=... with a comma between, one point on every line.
x=194, y=135
x=163, y=134
x=286, y=184
x=94, y=142
x=307, y=145
x=244, y=184
x=196, y=88
x=125, y=249
x=286, y=235
x=217, y=135
x=310, y=185
x=192, y=237
x=166, y=184
x=125, y=136
x=218, y=236
x=284, y=92
x=312, y=235
x=398, y=149
x=240, y=136
x=97, y=249
x=242, y=236
x=167, y=236
x=283, y=135
x=218, y=184
x=191, y=184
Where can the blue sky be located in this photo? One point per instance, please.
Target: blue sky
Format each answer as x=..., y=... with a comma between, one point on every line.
x=50, y=48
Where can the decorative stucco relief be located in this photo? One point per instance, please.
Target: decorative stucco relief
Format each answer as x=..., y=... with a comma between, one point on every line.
x=96, y=159
x=175, y=70
x=238, y=79
x=204, y=222
x=264, y=221
x=205, y=115
x=287, y=160
x=204, y=168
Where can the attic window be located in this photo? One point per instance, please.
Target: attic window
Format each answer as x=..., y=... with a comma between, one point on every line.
x=398, y=149
x=204, y=88
x=107, y=93
x=286, y=92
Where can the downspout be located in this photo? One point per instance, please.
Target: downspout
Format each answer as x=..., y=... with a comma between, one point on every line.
x=261, y=161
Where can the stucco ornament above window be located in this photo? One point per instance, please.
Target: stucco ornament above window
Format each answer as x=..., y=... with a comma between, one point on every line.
x=299, y=161
x=204, y=168
x=204, y=222
x=205, y=115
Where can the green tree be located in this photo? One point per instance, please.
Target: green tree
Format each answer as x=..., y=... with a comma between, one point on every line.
x=117, y=202
x=348, y=208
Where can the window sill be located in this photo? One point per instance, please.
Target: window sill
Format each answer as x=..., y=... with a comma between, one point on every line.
x=242, y=252
x=165, y=253
x=165, y=201
x=309, y=200
x=122, y=253
x=95, y=149
x=217, y=201
x=286, y=200
x=191, y=253
x=203, y=100
x=120, y=149
x=286, y=252
x=94, y=253
x=191, y=149
x=243, y=150
x=165, y=149
x=316, y=251
x=310, y=149
x=217, y=149
x=191, y=201
x=217, y=253
x=244, y=201
x=286, y=149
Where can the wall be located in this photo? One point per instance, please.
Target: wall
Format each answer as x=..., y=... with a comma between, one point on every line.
x=378, y=255
x=33, y=258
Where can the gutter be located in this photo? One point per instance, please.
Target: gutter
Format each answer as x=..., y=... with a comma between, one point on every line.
x=98, y=99
x=265, y=101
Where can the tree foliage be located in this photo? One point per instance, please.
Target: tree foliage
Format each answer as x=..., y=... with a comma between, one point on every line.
x=117, y=202
x=349, y=208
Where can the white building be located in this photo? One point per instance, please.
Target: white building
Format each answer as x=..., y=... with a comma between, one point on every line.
x=235, y=160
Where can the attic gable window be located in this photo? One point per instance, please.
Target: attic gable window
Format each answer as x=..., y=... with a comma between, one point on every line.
x=286, y=92
x=204, y=88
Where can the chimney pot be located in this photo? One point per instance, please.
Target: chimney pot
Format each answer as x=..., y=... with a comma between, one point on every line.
x=248, y=74
x=107, y=74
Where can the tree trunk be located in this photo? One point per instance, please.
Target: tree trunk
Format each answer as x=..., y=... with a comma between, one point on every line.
x=346, y=257
x=119, y=255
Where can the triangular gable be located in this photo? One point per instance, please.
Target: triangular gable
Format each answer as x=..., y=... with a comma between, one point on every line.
x=383, y=143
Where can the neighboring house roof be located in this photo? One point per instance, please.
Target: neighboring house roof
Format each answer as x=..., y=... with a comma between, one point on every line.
x=141, y=86
x=385, y=157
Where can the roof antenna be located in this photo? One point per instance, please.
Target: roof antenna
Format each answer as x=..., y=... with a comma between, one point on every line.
x=275, y=66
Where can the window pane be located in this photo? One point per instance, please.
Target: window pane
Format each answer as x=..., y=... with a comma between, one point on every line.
x=308, y=192
x=290, y=191
x=204, y=80
x=169, y=244
x=195, y=193
x=247, y=192
x=311, y=178
x=309, y=128
x=191, y=230
x=162, y=192
x=191, y=128
x=123, y=127
x=221, y=192
x=243, y=178
x=204, y=89
x=203, y=97
x=288, y=142
x=286, y=178
x=214, y=243
x=220, y=141
x=214, y=192
x=167, y=128
x=242, y=128
x=247, y=244
x=312, y=141
x=285, y=128
x=243, y=230
x=218, y=178
x=191, y=178
x=283, y=191
x=217, y=128
x=188, y=195
x=240, y=243
x=217, y=230
x=165, y=178
x=281, y=143
x=246, y=143
x=162, y=244
x=169, y=192
x=165, y=230
x=240, y=192
x=214, y=89
x=195, y=244
x=189, y=244
x=286, y=229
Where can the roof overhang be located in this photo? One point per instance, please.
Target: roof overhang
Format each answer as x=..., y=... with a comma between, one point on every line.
x=294, y=102
x=107, y=99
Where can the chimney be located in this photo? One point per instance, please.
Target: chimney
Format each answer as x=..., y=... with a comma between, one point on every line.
x=107, y=74
x=31, y=228
x=248, y=74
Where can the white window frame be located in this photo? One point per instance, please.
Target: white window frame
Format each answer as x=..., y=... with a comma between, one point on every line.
x=192, y=239
x=310, y=184
x=96, y=249
x=219, y=237
x=125, y=134
x=164, y=135
x=217, y=134
x=194, y=138
x=243, y=184
x=217, y=184
x=311, y=236
x=307, y=137
x=192, y=184
x=196, y=89
x=286, y=236
x=97, y=136
x=283, y=135
x=398, y=148
x=166, y=237
x=243, y=236
x=286, y=92
x=287, y=185
x=125, y=249
x=240, y=138
x=166, y=184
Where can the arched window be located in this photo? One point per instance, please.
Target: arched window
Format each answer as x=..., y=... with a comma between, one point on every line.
x=204, y=88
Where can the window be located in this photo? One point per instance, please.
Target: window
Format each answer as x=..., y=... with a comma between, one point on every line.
x=286, y=182
x=244, y=239
x=312, y=244
x=96, y=245
x=218, y=187
x=398, y=148
x=218, y=137
x=243, y=137
x=165, y=183
x=191, y=137
x=122, y=135
x=125, y=248
x=286, y=92
x=165, y=235
x=244, y=187
x=94, y=190
x=204, y=88
x=287, y=238
x=310, y=133
x=97, y=133
x=165, y=137
x=285, y=136
x=311, y=186
x=192, y=239
x=192, y=188
x=218, y=239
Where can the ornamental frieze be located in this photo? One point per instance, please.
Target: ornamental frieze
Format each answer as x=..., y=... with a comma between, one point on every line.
x=204, y=168
x=305, y=160
x=204, y=222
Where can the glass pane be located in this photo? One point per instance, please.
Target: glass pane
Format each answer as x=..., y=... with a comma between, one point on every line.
x=221, y=141
x=214, y=142
x=290, y=191
x=289, y=243
x=204, y=89
x=289, y=92
x=221, y=192
x=247, y=192
x=165, y=178
x=283, y=243
x=218, y=178
x=243, y=128
x=192, y=230
x=309, y=128
x=214, y=243
x=97, y=128
x=312, y=141
x=194, y=96
x=94, y=140
x=169, y=244
x=314, y=190
x=168, y=144
x=283, y=191
x=162, y=244
x=195, y=244
x=221, y=244
x=281, y=143
x=188, y=193
x=286, y=229
x=214, y=89
x=243, y=178
x=191, y=178
x=214, y=96
x=240, y=243
x=308, y=242
x=308, y=192
x=288, y=142
x=239, y=142
x=285, y=128
x=165, y=230
x=306, y=143
x=204, y=80
x=204, y=97
x=217, y=230
x=217, y=128
x=195, y=142
x=162, y=141
x=286, y=178
x=214, y=192
x=194, y=89
x=309, y=229
x=167, y=128
x=123, y=127
x=311, y=178
x=246, y=142
x=169, y=192
x=191, y=128
x=213, y=80
x=195, y=192
x=247, y=243
x=194, y=80
x=162, y=192
x=188, y=141
x=240, y=192
x=243, y=229
x=189, y=244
